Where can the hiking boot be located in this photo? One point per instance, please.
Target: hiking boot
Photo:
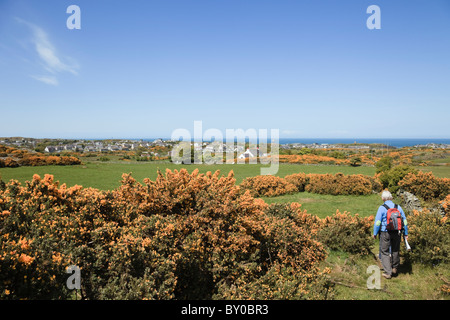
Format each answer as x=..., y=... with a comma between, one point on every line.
x=387, y=276
x=394, y=270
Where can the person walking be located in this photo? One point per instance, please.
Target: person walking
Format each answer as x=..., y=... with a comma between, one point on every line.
x=389, y=239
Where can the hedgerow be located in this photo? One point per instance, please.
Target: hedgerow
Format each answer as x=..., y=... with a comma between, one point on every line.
x=339, y=184
x=299, y=180
x=14, y=158
x=268, y=186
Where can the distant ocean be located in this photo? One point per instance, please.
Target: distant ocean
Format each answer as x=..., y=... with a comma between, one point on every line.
x=389, y=142
x=398, y=143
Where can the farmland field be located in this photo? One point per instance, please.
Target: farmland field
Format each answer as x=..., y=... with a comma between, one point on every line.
x=438, y=171
x=324, y=205
x=107, y=175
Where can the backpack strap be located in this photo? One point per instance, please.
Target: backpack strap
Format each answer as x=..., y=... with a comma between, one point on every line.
x=387, y=207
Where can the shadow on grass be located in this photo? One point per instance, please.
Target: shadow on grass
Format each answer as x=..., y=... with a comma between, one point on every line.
x=405, y=267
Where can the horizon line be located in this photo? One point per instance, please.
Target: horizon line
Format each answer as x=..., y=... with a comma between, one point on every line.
x=167, y=138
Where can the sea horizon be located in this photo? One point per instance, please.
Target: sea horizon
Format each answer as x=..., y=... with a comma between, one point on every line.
x=392, y=142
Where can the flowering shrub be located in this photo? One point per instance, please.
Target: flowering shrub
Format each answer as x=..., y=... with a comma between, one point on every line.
x=343, y=231
x=312, y=159
x=31, y=254
x=182, y=236
x=339, y=184
x=429, y=237
x=426, y=185
x=293, y=211
x=299, y=180
x=49, y=160
x=375, y=182
x=268, y=186
x=15, y=158
x=8, y=163
x=290, y=256
x=446, y=205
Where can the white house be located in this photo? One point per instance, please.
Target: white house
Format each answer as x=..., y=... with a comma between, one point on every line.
x=250, y=153
x=51, y=149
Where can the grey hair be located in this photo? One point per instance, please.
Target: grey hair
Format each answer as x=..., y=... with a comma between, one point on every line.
x=386, y=195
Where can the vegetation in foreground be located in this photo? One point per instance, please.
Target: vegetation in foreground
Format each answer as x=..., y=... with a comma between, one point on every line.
x=188, y=236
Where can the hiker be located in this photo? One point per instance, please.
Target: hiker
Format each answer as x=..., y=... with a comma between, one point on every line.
x=390, y=233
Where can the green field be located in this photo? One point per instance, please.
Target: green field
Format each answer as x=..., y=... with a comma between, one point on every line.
x=439, y=171
x=324, y=205
x=107, y=175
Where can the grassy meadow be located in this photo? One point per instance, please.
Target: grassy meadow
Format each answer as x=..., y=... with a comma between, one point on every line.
x=107, y=175
x=324, y=205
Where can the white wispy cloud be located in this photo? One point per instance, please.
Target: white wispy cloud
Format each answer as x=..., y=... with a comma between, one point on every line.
x=47, y=79
x=48, y=55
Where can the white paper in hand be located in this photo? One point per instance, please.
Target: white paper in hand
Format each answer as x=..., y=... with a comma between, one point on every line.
x=407, y=245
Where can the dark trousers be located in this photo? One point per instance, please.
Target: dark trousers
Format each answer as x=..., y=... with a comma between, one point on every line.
x=390, y=258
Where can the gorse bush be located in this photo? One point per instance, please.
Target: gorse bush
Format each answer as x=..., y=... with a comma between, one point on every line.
x=293, y=211
x=426, y=185
x=339, y=184
x=8, y=163
x=342, y=231
x=376, y=184
x=429, y=237
x=446, y=205
x=39, y=161
x=268, y=186
x=312, y=159
x=182, y=236
x=24, y=158
x=289, y=258
x=299, y=180
x=49, y=160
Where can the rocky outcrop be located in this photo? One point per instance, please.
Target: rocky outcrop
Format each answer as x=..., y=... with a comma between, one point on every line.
x=409, y=201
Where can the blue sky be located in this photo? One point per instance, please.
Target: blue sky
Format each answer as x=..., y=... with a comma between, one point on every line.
x=141, y=69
